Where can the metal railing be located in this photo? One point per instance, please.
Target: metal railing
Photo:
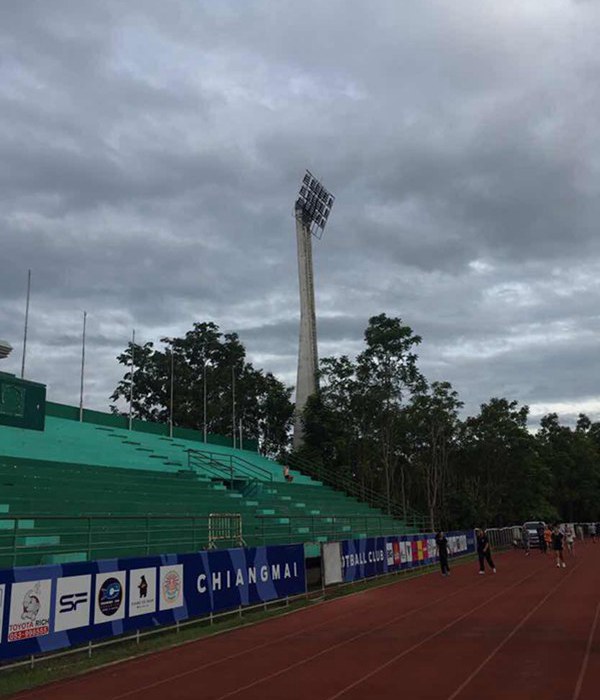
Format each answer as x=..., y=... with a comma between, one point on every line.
x=28, y=540
x=275, y=529
x=225, y=528
x=226, y=466
x=27, y=543
x=374, y=498
x=504, y=537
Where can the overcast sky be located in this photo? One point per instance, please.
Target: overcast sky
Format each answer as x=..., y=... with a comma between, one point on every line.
x=150, y=153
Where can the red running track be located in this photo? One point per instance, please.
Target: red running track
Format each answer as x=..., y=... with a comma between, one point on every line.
x=530, y=632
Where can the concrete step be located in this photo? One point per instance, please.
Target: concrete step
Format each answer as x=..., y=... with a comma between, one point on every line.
x=22, y=524
x=64, y=558
x=38, y=541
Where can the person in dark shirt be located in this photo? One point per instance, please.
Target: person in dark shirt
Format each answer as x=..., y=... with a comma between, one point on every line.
x=483, y=552
x=557, y=546
x=442, y=547
x=525, y=540
x=541, y=540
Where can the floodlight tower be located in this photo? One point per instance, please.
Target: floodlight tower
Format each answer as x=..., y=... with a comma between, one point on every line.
x=312, y=210
x=5, y=349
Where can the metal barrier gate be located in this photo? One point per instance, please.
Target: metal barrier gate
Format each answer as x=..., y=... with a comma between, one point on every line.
x=225, y=527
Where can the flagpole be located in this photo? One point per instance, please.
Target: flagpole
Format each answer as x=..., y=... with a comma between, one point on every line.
x=233, y=405
x=204, y=397
x=82, y=368
x=131, y=371
x=172, y=383
x=26, y=324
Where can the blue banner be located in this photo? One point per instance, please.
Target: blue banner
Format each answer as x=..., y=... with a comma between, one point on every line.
x=46, y=608
x=373, y=556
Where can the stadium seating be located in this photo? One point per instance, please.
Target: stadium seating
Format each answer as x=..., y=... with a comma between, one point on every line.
x=87, y=490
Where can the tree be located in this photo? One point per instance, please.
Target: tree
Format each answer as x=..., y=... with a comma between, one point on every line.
x=433, y=424
x=204, y=354
x=356, y=423
x=388, y=375
x=573, y=459
x=501, y=472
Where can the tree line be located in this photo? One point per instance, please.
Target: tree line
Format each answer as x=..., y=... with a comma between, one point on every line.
x=378, y=420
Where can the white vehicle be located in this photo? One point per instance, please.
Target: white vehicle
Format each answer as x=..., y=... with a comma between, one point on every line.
x=532, y=527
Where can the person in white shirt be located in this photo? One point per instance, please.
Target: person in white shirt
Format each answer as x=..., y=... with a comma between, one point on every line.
x=570, y=538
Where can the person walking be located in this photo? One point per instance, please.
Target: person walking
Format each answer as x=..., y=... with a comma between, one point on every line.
x=483, y=551
x=547, y=538
x=541, y=539
x=557, y=546
x=442, y=547
x=525, y=540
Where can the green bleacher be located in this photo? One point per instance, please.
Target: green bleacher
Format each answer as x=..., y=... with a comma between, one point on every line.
x=90, y=490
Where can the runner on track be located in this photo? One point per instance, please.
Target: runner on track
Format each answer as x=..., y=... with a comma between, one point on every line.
x=580, y=534
x=592, y=531
x=557, y=546
x=483, y=551
x=442, y=547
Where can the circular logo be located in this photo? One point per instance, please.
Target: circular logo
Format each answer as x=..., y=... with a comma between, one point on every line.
x=171, y=586
x=110, y=596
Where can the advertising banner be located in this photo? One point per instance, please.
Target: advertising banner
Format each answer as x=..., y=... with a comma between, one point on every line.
x=373, y=556
x=46, y=608
x=363, y=558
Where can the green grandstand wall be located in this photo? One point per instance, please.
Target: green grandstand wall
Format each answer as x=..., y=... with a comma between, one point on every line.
x=113, y=420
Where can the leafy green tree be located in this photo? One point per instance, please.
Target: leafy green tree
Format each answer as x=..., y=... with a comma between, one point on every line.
x=388, y=375
x=573, y=459
x=207, y=356
x=432, y=426
x=502, y=476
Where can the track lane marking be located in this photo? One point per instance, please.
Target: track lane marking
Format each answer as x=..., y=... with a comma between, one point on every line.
x=586, y=658
x=429, y=637
x=511, y=634
x=131, y=661
x=408, y=613
x=364, y=634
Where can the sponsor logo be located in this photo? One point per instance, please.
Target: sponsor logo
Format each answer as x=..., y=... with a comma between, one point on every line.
x=29, y=610
x=171, y=586
x=143, y=587
x=110, y=596
x=142, y=591
x=69, y=602
x=73, y=600
x=390, y=553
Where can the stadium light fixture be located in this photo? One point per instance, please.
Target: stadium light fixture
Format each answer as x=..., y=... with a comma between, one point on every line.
x=313, y=205
x=312, y=209
x=5, y=349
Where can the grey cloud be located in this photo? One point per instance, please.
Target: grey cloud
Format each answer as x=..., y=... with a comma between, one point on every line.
x=150, y=154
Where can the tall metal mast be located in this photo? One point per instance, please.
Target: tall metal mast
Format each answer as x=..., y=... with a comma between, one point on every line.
x=312, y=210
